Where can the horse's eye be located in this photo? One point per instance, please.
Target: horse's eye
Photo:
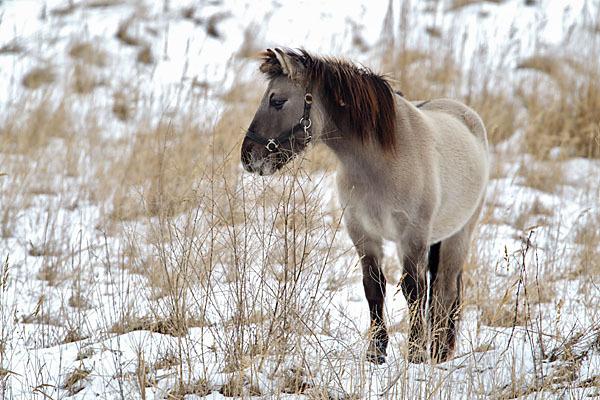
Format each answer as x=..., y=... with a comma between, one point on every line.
x=278, y=103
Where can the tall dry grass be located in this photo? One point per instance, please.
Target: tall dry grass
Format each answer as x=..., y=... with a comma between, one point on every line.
x=245, y=273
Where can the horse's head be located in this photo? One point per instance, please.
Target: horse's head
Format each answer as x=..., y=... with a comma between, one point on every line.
x=282, y=125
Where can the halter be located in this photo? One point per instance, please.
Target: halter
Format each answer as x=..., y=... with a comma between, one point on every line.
x=273, y=144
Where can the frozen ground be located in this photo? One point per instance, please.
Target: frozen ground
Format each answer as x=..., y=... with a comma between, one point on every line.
x=76, y=292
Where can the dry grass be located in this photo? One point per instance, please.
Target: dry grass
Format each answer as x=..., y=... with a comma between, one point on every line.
x=587, y=236
x=35, y=124
x=199, y=388
x=213, y=258
x=499, y=113
x=13, y=47
x=124, y=33
x=89, y=53
x=213, y=22
x=37, y=77
x=566, y=116
x=74, y=381
x=84, y=81
x=458, y=4
x=145, y=55
x=165, y=327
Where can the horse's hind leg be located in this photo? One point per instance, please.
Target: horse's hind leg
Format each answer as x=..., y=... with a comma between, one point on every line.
x=445, y=288
x=444, y=298
x=414, y=289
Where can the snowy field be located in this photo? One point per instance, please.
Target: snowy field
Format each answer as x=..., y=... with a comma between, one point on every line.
x=138, y=260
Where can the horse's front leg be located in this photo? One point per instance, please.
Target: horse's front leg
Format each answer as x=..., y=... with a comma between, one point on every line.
x=414, y=288
x=374, y=285
x=370, y=253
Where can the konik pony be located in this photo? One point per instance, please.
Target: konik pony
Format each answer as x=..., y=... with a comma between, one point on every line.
x=413, y=173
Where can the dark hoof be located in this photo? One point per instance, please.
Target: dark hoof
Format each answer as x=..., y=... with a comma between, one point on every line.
x=417, y=358
x=377, y=350
x=440, y=356
x=375, y=358
x=442, y=351
x=417, y=355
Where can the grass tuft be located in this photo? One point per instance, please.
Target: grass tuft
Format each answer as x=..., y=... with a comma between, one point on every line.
x=38, y=77
x=75, y=380
x=137, y=229
x=198, y=388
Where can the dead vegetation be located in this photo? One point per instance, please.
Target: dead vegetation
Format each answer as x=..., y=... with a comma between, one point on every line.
x=458, y=4
x=568, y=120
x=199, y=388
x=124, y=33
x=75, y=380
x=37, y=77
x=218, y=256
x=89, y=53
x=13, y=47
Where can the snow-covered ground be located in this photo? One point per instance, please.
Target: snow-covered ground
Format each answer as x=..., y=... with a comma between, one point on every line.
x=91, y=305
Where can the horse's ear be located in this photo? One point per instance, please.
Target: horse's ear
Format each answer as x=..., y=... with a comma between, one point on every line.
x=284, y=62
x=270, y=65
x=291, y=65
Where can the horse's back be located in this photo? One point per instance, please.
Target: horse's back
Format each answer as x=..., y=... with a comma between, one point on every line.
x=459, y=111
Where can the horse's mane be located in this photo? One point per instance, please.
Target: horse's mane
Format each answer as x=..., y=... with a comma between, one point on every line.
x=364, y=99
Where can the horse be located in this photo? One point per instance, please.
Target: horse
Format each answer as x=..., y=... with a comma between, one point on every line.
x=414, y=173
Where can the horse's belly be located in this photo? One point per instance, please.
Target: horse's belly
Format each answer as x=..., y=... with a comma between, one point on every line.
x=445, y=226
x=456, y=209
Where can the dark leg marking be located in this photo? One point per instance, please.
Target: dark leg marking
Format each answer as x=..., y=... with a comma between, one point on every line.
x=433, y=264
x=414, y=290
x=453, y=320
x=444, y=334
x=443, y=310
x=435, y=319
x=374, y=284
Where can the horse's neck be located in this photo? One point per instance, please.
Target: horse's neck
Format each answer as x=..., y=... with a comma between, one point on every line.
x=368, y=157
x=361, y=160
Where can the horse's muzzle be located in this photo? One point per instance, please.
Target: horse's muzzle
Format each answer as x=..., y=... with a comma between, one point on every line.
x=257, y=159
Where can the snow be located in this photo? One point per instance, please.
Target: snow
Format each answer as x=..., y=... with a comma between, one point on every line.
x=35, y=360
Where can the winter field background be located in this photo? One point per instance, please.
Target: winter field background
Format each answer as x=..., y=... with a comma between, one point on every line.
x=138, y=260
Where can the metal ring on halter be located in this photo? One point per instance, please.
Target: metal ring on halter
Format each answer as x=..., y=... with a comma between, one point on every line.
x=272, y=142
x=305, y=126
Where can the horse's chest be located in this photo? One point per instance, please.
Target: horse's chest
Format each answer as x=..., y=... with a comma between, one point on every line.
x=377, y=220
x=369, y=206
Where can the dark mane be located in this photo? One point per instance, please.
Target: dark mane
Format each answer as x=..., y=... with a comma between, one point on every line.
x=364, y=99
